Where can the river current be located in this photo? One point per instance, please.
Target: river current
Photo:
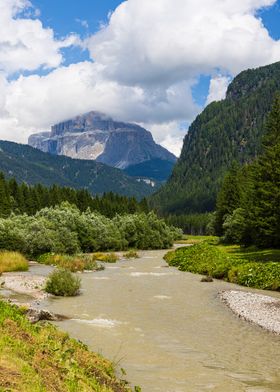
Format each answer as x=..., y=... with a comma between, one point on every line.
x=169, y=331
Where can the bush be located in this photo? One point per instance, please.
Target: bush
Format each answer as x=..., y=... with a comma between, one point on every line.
x=62, y=283
x=235, y=227
x=212, y=261
x=265, y=276
x=132, y=254
x=12, y=261
x=66, y=230
x=105, y=257
x=72, y=263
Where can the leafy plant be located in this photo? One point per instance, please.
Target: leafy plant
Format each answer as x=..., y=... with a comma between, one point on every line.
x=131, y=254
x=62, y=283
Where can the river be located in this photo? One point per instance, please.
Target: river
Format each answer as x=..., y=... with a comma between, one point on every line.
x=169, y=331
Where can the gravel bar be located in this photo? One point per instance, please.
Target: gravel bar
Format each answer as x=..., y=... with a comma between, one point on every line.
x=255, y=308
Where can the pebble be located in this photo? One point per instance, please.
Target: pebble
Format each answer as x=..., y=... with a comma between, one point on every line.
x=262, y=310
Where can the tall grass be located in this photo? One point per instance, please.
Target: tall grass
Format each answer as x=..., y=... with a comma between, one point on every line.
x=12, y=261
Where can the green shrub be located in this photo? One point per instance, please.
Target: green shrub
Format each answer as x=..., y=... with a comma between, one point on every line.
x=72, y=263
x=265, y=276
x=131, y=254
x=105, y=257
x=213, y=261
x=62, y=283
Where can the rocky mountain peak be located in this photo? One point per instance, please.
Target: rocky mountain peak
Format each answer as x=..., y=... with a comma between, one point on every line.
x=96, y=136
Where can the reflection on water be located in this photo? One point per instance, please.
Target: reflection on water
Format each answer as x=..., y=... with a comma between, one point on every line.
x=169, y=331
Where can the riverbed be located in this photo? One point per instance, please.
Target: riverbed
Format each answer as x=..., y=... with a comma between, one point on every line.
x=169, y=331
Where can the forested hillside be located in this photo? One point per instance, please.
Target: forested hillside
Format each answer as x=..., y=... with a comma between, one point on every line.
x=226, y=131
x=248, y=203
x=27, y=164
x=26, y=199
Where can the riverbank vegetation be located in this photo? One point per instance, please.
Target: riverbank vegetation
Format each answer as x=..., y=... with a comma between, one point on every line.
x=61, y=282
x=64, y=229
x=41, y=358
x=12, y=261
x=248, y=215
x=72, y=263
x=248, y=267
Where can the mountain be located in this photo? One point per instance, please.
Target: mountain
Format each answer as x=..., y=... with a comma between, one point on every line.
x=95, y=136
x=226, y=131
x=34, y=166
x=155, y=169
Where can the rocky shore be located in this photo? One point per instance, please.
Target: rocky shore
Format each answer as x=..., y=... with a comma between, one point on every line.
x=261, y=310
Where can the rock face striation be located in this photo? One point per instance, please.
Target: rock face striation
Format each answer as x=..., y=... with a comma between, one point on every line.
x=95, y=136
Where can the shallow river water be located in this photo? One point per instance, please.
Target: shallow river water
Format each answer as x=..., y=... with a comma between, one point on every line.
x=169, y=331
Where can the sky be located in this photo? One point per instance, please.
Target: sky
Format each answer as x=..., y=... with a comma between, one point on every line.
x=157, y=63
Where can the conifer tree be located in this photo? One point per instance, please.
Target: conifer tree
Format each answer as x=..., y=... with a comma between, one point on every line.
x=264, y=212
x=228, y=198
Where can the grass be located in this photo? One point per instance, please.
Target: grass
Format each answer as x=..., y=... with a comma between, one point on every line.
x=197, y=239
x=71, y=263
x=252, y=268
x=12, y=261
x=105, y=257
x=40, y=358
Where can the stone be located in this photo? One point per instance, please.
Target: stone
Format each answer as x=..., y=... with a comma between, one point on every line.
x=95, y=136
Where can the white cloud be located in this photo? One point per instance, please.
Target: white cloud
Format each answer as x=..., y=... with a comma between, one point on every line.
x=218, y=88
x=24, y=43
x=145, y=62
x=162, y=42
x=170, y=135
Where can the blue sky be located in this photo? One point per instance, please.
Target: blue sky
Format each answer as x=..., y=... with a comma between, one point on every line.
x=157, y=63
x=85, y=17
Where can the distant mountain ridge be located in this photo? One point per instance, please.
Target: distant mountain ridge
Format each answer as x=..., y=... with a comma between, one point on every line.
x=33, y=166
x=226, y=131
x=95, y=136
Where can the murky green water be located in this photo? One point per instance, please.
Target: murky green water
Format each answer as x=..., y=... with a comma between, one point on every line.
x=170, y=331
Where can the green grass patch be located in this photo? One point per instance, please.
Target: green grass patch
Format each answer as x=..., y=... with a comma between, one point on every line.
x=197, y=239
x=249, y=268
x=12, y=261
x=40, y=358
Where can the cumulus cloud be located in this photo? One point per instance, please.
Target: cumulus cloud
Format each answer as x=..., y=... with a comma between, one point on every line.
x=162, y=42
x=145, y=62
x=218, y=88
x=25, y=45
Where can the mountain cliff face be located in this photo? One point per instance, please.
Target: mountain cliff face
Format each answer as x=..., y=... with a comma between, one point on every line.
x=226, y=131
x=95, y=136
x=32, y=166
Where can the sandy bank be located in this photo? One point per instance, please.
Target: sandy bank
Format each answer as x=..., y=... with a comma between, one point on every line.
x=259, y=309
x=22, y=283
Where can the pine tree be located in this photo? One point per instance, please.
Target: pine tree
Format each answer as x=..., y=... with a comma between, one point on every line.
x=264, y=213
x=228, y=198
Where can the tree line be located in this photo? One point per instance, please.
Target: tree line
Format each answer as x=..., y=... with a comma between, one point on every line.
x=64, y=229
x=248, y=204
x=25, y=199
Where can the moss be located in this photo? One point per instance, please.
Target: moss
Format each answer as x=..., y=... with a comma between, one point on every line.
x=41, y=358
